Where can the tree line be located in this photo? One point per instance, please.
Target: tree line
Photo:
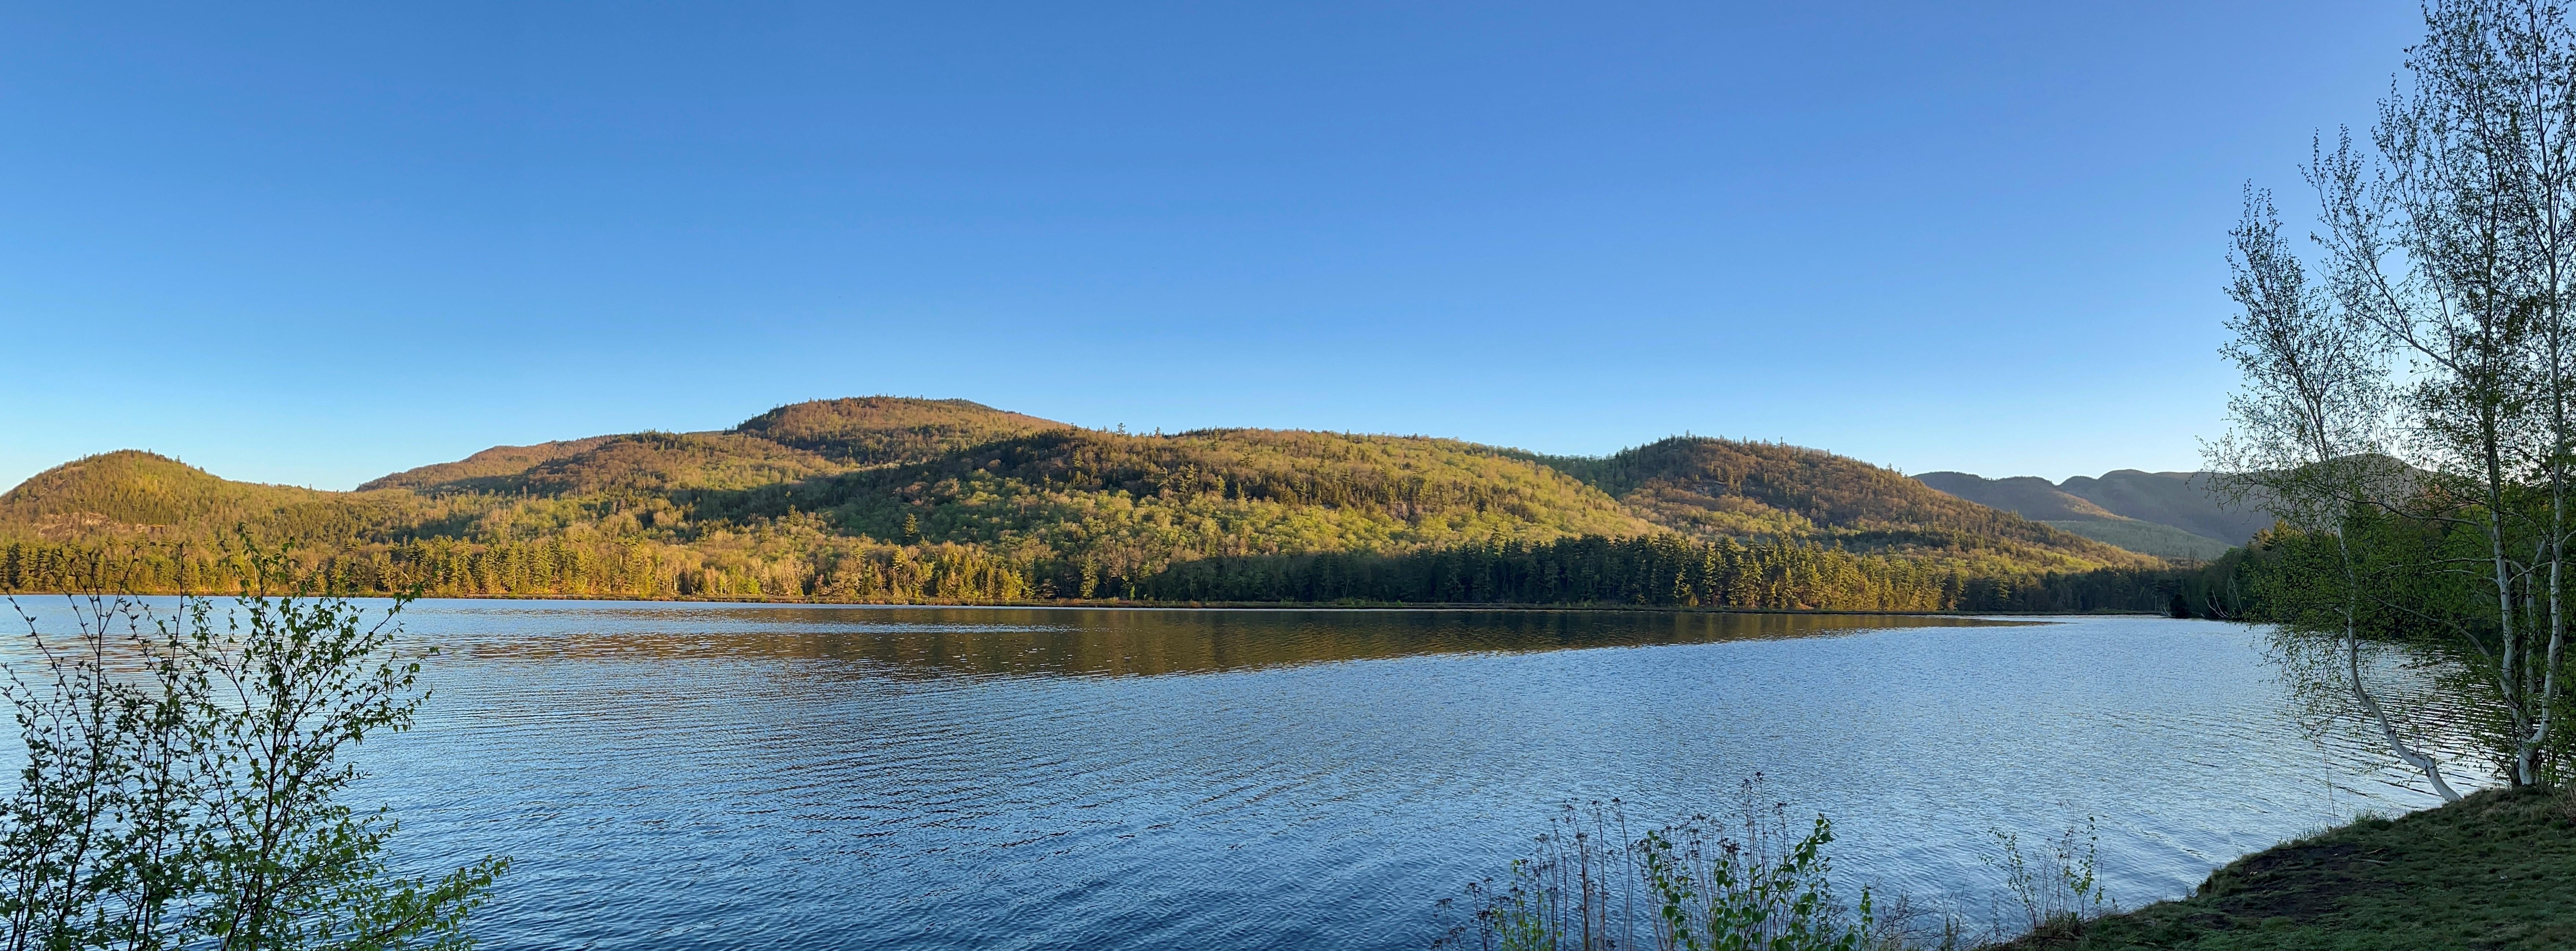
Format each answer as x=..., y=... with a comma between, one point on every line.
x=549, y=568
x=1657, y=570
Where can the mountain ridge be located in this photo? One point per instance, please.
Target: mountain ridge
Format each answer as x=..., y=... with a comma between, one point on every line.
x=807, y=496
x=2170, y=514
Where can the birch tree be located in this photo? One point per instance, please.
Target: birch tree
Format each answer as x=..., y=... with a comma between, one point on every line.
x=2448, y=246
x=2308, y=433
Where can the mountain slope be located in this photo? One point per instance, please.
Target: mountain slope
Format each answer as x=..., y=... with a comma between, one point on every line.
x=130, y=495
x=2146, y=538
x=486, y=471
x=652, y=463
x=141, y=489
x=2167, y=514
x=2179, y=499
x=1715, y=487
x=884, y=497
x=2035, y=498
x=1132, y=505
x=2027, y=496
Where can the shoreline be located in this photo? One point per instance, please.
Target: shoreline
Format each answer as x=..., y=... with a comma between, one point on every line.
x=2496, y=869
x=1141, y=605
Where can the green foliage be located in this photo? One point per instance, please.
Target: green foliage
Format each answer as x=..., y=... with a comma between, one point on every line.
x=1658, y=571
x=94, y=835
x=1743, y=895
x=1749, y=882
x=185, y=777
x=2056, y=885
x=2415, y=582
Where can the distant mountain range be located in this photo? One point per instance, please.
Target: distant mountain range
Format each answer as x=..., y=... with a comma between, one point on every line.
x=2168, y=514
x=794, y=498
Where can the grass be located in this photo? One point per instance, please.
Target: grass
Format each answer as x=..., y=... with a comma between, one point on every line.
x=2496, y=870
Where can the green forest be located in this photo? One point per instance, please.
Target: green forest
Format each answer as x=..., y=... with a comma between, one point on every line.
x=889, y=500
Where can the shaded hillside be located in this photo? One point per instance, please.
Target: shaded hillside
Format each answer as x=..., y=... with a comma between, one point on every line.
x=2027, y=496
x=2179, y=499
x=2148, y=538
x=2035, y=498
x=893, y=499
x=2171, y=514
x=1723, y=488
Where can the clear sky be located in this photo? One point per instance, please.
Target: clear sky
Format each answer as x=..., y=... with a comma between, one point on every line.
x=317, y=244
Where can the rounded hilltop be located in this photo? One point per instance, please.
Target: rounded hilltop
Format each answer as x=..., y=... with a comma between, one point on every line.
x=878, y=430
x=130, y=490
x=788, y=443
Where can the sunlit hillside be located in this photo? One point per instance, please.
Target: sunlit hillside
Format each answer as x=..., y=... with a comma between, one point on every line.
x=1725, y=488
x=906, y=499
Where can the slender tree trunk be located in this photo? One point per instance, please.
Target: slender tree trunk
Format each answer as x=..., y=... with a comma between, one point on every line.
x=2527, y=756
x=2423, y=762
x=2508, y=676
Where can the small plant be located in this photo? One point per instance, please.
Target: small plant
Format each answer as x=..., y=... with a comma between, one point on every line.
x=1563, y=897
x=184, y=778
x=2057, y=886
x=1752, y=882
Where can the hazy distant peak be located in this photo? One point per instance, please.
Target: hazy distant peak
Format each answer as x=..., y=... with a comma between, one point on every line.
x=2028, y=496
x=2177, y=500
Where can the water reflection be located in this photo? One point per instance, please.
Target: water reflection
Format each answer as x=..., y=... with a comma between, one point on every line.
x=1087, y=642
x=703, y=776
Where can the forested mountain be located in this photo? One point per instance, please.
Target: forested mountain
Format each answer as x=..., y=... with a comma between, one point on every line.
x=1724, y=488
x=889, y=499
x=138, y=496
x=2028, y=496
x=2169, y=514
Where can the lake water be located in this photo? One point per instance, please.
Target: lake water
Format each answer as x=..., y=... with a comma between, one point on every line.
x=724, y=776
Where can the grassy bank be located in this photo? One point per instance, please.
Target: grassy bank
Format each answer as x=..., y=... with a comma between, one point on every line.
x=2496, y=870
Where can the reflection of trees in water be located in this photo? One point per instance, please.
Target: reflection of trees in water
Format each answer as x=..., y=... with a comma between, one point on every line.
x=2425, y=687
x=939, y=641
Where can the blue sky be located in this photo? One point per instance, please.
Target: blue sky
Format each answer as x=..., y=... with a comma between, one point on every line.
x=317, y=244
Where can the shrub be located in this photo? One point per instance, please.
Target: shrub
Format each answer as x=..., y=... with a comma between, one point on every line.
x=183, y=779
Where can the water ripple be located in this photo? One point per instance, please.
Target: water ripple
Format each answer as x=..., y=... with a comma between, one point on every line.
x=677, y=776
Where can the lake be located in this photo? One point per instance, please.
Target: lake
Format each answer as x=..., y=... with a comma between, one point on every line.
x=725, y=776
